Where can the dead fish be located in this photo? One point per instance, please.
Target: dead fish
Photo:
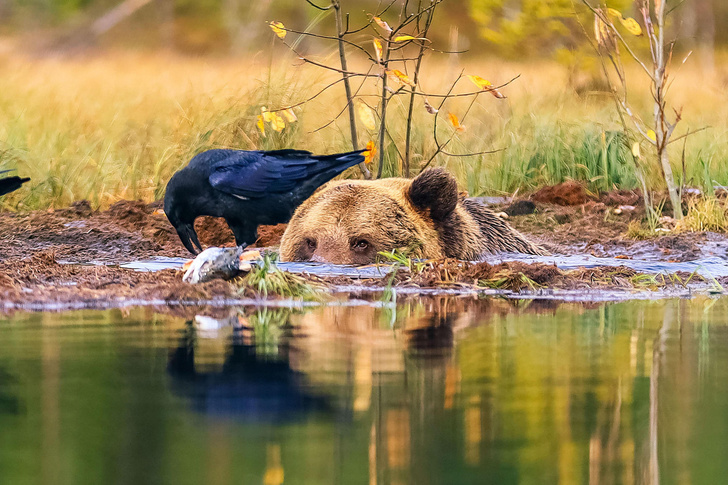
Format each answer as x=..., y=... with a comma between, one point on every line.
x=623, y=209
x=210, y=327
x=219, y=263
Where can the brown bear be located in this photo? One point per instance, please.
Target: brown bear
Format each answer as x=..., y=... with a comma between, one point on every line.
x=351, y=221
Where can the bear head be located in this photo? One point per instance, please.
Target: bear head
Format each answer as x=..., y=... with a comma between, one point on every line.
x=351, y=221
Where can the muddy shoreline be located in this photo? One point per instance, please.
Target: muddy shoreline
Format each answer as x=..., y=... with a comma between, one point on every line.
x=69, y=258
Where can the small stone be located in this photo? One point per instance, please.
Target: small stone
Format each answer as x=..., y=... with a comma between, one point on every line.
x=520, y=208
x=667, y=222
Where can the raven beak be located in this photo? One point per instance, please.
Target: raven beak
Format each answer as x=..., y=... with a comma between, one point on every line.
x=188, y=236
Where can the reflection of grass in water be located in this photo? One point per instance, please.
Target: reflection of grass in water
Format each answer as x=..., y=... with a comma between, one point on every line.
x=118, y=126
x=266, y=278
x=268, y=326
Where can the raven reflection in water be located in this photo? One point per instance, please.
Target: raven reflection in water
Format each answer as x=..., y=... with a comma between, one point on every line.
x=247, y=188
x=9, y=184
x=248, y=386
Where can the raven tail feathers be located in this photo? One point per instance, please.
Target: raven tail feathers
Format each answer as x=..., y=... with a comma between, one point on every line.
x=9, y=184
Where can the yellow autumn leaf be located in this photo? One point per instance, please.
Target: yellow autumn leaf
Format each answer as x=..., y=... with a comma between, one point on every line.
x=479, y=81
x=632, y=26
x=394, y=80
x=614, y=13
x=400, y=78
x=378, y=50
x=366, y=115
x=369, y=153
x=430, y=109
x=276, y=122
x=261, y=124
x=404, y=38
x=279, y=29
x=403, y=77
x=486, y=86
x=383, y=24
x=289, y=115
x=636, y=150
x=651, y=135
x=273, y=476
x=267, y=115
x=455, y=122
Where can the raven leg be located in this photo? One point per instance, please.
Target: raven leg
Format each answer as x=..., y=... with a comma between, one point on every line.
x=244, y=234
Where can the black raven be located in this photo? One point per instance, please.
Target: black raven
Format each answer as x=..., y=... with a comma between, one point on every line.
x=247, y=188
x=8, y=184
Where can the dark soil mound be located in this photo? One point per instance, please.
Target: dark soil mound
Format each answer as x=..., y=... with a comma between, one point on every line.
x=566, y=193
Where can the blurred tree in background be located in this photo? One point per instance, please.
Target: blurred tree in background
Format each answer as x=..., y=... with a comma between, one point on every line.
x=531, y=27
x=510, y=28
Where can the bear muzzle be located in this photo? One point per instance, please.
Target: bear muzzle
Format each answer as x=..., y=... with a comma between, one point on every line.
x=343, y=250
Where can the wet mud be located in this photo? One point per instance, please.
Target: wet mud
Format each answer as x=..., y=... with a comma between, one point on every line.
x=72, y=255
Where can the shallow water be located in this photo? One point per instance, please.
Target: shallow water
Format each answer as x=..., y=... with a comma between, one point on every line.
x=440, y=391
x=709, y=267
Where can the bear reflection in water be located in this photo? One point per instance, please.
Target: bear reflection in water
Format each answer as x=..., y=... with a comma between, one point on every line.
x=279, y=366
x=351, y=221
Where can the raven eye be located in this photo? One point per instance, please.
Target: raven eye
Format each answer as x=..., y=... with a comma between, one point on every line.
x=360, y=245
x=311, y=244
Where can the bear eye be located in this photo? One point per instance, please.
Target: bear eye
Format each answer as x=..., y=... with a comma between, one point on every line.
x=360, y=245
x=311, y=244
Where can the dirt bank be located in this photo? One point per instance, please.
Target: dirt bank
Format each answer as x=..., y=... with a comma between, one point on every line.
x=128, y=231
x=35, y=246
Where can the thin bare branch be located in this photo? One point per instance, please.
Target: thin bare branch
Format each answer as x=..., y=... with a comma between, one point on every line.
x=441, y=146
x=311, y=98
x=440, y=51
x=332, y=37
x=418, y=64
x=354, y=96
x=383, y=107
x=689, y=133
x=595, y=47
x=340, y=71
x=609, y=23
x=462, y=95
x=316, y=6
x=347, y=86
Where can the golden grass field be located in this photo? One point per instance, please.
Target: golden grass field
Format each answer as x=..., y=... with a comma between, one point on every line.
x=116, y=125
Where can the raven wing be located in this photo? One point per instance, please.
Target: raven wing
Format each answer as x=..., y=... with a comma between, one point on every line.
x=255, y=174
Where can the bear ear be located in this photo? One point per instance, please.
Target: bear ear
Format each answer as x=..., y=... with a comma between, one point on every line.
x=434, y=189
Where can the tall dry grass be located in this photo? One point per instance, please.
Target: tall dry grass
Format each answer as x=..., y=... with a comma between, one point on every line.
x=117, y=125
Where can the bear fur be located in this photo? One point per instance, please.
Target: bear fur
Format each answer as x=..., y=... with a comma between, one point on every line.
x=351, y=221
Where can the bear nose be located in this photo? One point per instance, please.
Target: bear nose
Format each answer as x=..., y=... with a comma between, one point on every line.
x=317, y=258
x=331, y=254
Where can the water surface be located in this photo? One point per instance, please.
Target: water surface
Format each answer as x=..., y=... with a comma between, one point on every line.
x=708, y=267
x=433, y=391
